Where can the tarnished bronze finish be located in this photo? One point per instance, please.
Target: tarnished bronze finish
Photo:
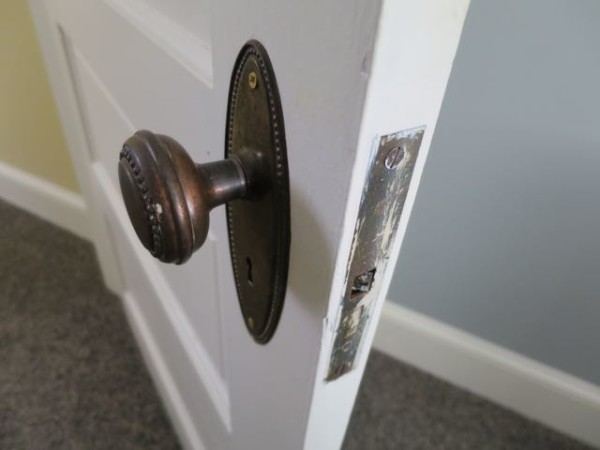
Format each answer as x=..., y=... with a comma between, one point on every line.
x=259, y=231
x=168, y=197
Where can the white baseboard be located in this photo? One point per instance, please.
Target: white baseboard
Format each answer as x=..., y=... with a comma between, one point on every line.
x=49, y=201
x=535, y=390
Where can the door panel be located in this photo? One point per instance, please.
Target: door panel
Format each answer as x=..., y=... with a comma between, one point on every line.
x=191, y=15
x=100, y=113
x=180, y=28
x=108, y=126
x=260, y=396
x=161, y=328
x=147, y=83
x=175, y=308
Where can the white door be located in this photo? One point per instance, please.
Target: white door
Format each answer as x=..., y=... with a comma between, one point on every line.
x=351, y=74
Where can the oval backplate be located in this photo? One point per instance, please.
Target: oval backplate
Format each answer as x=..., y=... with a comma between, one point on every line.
x=259, y=229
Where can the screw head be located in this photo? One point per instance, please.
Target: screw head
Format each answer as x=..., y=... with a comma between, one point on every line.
x=252, y=80
x=394, y=157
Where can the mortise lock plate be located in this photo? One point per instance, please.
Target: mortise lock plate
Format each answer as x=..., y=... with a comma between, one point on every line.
x=168, y=197
x=381, y=206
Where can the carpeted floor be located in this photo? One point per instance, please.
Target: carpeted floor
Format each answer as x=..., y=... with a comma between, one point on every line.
x=400, y=407
x=71, y=376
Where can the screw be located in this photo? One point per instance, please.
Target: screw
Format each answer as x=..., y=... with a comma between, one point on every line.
x=252, y=80
x=394, y=157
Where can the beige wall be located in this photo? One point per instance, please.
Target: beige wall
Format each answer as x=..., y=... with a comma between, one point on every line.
x=31, y=137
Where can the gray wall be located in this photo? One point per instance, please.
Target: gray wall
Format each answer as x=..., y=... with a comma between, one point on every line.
x=504, y=240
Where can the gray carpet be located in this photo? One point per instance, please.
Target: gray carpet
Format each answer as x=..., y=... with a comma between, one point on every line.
x=71, y=376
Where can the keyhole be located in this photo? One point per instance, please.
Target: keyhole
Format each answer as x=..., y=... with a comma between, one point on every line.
x=249, y=268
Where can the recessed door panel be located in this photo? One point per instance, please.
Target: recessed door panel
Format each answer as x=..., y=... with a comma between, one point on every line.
x=109, y=119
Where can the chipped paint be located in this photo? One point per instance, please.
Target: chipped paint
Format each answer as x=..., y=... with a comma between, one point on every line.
x=379, y=214
x=158, y=209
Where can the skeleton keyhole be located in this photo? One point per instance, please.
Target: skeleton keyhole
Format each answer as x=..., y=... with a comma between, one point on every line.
x=249, y=271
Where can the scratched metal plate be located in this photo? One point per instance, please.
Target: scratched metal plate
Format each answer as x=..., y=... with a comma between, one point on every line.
x=379, y=214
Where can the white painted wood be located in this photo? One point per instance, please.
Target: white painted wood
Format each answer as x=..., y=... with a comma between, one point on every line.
x=47, y=200
x=190, y=49
x=139, y=267
x=195, y=394
x=413, y=57
x=104, y=113
x=543, y=393
x=69, y=110
x=161, y=373
x=116, y=68
x=192, y=15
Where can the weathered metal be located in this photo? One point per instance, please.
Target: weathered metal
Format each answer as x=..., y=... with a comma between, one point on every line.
x=259, y=231
x=381, y=207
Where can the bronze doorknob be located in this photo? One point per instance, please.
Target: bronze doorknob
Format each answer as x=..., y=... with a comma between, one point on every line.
x=168, y=197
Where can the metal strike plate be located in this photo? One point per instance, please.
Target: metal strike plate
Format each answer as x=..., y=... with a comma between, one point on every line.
x=259, y=228
x=381, y=206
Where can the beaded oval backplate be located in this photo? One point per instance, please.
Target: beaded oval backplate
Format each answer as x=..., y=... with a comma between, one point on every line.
x=259, y=228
